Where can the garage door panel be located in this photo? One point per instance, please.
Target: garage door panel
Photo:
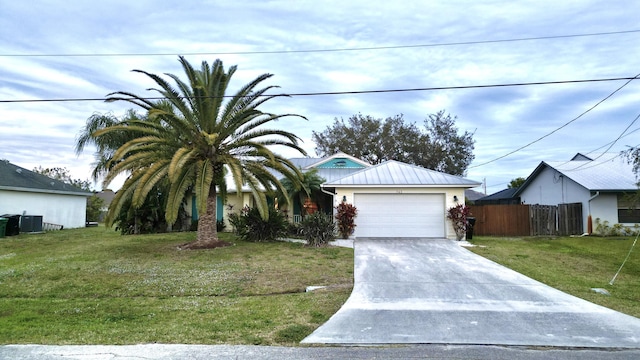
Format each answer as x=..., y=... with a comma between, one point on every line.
x=400, y=215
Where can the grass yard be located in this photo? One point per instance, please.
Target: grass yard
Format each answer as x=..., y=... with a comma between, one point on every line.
x=573, y=265
x=93, y=286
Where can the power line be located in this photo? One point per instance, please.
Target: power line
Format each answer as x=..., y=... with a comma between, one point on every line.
x=392, y=47
x=610, y=146
x=559, y=128
x=629, y=79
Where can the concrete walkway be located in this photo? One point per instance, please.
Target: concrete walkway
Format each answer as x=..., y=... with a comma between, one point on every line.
x=427, y=291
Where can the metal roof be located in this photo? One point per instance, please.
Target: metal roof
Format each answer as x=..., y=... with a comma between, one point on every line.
x=395, y=173
x=607, y=172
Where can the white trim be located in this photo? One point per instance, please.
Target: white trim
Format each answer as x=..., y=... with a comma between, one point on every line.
x=43, y=191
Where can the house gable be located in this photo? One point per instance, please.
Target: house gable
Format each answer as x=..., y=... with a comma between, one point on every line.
x=338, y=161
x=598, y=184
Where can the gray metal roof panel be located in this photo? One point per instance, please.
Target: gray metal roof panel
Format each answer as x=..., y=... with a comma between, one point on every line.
x=610, y=172
x=395, y=173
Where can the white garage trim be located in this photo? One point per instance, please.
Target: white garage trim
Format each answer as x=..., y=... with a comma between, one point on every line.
x=400, y=215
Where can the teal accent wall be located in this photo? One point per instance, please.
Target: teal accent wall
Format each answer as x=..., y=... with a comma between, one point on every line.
x=219, y=208
x=194, y=208
x=296, y=207
x=340, y=163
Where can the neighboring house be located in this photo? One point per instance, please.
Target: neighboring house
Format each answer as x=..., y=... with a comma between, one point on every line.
x=602, y=185
x=504, y=197
x=471, y=196
x=23, y=192
x=393, y=199
x=106, y=196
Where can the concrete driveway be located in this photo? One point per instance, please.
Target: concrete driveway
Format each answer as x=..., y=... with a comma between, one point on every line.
x=430, y=291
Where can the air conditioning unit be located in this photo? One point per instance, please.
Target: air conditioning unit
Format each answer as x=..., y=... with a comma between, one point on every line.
x=31, y=223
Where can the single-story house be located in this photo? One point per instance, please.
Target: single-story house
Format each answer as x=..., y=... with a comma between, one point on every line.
x=393, y=199
x=472, y=196
x=503, y=197
x=602, y=184
x=107, y=196
x=23, y=192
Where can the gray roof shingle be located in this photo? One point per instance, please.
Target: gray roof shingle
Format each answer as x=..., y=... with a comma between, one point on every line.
x=13, y=177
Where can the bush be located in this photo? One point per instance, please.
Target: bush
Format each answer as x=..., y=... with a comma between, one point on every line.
x=318, y=229
x=459, y=215
x=604, y=229
x=250, y=226
x=294, y=229
x=345, y=215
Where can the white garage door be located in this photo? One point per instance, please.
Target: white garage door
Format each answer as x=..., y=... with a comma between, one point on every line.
x=400, y=215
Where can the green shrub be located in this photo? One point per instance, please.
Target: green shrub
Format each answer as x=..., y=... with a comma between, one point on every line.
x=604, y=229
x=294, y=229
x=318, y=229
x=345, y=215
x=250, y=226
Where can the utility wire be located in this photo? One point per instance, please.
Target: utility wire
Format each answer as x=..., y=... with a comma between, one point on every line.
x=629, y=79
x=552, y=37
x=559, y=128
x=625, y=260
x=604, y=152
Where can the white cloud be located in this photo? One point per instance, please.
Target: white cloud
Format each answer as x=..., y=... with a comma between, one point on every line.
x=504, y=119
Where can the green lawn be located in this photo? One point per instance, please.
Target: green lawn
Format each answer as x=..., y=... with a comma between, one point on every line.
x=574, y=265
x=93, y=286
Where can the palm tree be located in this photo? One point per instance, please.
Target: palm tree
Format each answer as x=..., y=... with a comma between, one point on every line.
x=106, y=145
x=191, y=137
x=308, y=186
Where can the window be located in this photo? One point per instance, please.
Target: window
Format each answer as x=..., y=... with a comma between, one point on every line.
x=628, y=209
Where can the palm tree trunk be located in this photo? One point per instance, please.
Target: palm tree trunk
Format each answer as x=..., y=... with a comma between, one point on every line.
x=207, y=232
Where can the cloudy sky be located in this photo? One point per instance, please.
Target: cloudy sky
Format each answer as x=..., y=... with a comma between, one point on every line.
x=72, y=50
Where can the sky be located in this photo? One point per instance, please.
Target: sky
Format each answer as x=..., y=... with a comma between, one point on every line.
x=74, y=50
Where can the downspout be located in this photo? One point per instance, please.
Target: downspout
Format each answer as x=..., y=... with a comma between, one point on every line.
x=589, y=220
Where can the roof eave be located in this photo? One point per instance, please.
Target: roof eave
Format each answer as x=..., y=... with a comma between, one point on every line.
x=44, y=191
x=413, y=186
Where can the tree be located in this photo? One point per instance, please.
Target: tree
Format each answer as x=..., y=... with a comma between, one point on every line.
x=190, y=136
x=63, y=174
x=106, y=144
x=438, y=146
x=150, y=216
x=94, y=208
x=516, y=183
x=307, y=186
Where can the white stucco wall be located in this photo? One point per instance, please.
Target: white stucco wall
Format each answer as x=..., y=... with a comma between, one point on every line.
x=605, y=207
x=66, y=210
x=449, y=193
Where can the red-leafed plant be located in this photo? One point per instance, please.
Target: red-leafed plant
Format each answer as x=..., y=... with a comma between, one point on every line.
x=345, y=215
x=459, y=215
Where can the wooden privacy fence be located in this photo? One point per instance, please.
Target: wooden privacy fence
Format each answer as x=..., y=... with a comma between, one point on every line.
x=527, y=220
